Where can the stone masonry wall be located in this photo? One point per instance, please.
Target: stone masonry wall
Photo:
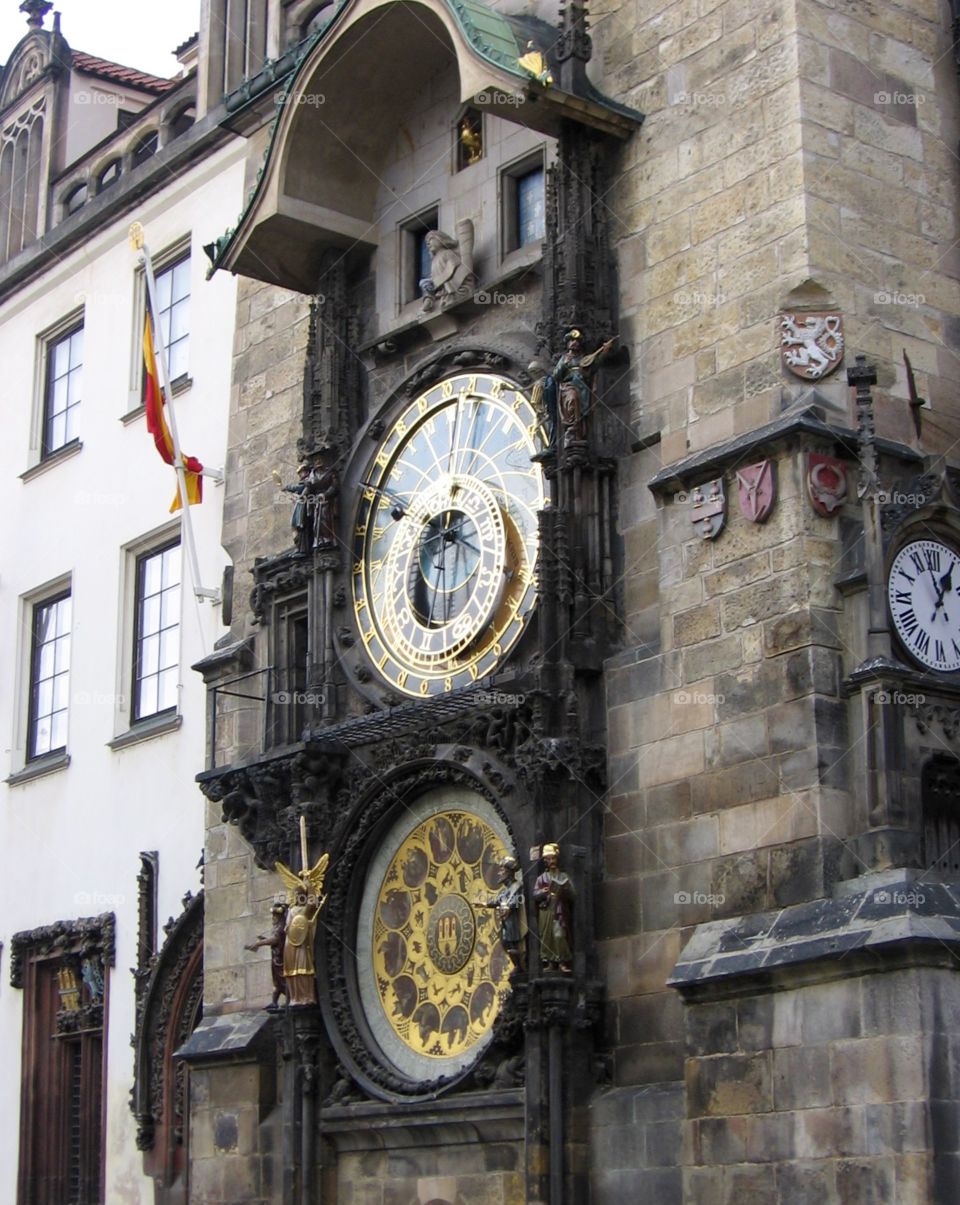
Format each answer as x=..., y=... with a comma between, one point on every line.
x=265, y=421
x=727, y=755
x=792, y=153
x=787, y=146
x=830, y=1092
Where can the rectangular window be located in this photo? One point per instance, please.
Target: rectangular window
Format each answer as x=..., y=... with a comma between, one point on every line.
x=173, y=301
x=156, y=643
x=523, y=205
x=62, y=386
x=49, y=677
x=530, y=207
x=415, y=257
x=288, y=714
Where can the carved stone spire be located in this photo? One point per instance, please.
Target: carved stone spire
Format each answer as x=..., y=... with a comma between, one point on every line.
x=36, y=10
x=574, y=47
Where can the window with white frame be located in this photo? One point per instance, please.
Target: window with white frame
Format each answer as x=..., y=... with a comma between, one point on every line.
x=49, y=676
x=173, y=301
x=156, y=641
x=62, y=389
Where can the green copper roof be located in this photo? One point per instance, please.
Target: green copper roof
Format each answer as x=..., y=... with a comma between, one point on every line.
x=488, y=33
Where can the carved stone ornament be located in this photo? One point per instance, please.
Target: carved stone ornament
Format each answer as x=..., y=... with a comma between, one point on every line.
x=708, y=509
x=930, y=715
x=811, y=343
x=273, y=576
x=906, y=497
x=826, y=479
x=89, y=936
x=451, y=276
x=757, y=490
x=168, y=1008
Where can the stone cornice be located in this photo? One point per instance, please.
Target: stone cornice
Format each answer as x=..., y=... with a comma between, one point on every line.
x=712, y=461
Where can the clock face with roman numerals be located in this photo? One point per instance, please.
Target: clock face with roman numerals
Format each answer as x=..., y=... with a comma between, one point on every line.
x=445, y=540
x=923, y=588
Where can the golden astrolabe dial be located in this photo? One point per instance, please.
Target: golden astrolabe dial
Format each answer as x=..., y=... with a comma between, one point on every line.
x=445, y=572
x=446, y=539
x=439, y=969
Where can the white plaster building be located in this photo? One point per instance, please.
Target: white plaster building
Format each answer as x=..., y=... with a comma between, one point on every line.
x=101, y=718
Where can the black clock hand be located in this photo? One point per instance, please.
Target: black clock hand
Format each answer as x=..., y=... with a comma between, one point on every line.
x=454, y=533
x=945, y=584
x=403, y=504
x=436, y=582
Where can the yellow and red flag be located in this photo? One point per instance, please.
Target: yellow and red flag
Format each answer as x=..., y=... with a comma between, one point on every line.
x=157, y=426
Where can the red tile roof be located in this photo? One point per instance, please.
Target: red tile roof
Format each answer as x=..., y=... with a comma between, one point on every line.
x=89, y=64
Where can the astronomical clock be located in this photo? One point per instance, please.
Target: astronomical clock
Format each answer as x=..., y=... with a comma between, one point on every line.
x=445, y=539
x=432, y=973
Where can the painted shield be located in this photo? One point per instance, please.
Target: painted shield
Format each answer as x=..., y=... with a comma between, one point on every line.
x=811, y=343
x=826, y=483
x=708, y=509
x=757, y=488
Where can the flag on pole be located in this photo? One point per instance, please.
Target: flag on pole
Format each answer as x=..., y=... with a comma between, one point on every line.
x=157, y=426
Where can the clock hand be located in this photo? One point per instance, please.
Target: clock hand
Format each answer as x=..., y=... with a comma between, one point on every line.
x=402, y=503
x=945, y=584
x=453, y=441
x=453, y=534
x=436, y=584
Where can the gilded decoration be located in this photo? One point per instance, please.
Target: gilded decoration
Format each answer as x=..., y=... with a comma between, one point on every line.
x=440, y=969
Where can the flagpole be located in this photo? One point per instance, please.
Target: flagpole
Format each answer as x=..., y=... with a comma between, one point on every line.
x=153, y=313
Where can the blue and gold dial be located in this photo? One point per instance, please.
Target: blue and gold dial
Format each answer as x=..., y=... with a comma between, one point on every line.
x=446, y=541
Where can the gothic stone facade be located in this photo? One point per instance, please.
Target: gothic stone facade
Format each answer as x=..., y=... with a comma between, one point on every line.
x=752, y=780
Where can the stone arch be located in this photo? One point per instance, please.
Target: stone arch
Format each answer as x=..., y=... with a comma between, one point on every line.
x=168, y=1010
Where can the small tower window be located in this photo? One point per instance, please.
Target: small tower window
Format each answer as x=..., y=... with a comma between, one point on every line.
x=145, y=148
x=183, y=121
x=469, y=139
x=109, y=175
x=76, y=199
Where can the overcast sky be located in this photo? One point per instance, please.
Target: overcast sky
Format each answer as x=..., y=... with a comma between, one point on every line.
x=136, y=34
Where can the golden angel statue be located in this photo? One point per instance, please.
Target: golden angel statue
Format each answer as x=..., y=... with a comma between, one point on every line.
x=535, y=64
x=304, y=901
